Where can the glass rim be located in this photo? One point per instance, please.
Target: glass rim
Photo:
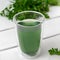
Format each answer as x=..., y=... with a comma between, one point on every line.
x=14, y=17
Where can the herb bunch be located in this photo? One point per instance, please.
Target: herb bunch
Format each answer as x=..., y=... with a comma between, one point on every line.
x=24, y=5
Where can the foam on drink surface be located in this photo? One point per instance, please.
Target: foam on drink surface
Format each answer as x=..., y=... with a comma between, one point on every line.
x=29, y=22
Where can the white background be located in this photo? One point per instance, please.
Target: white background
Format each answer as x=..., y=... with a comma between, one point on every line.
x=8, y=38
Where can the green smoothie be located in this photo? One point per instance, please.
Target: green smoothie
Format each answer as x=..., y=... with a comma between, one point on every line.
x=29, y=34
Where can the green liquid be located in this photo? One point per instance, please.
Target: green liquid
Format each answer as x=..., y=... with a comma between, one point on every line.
x=29, y=23
x=29, y=38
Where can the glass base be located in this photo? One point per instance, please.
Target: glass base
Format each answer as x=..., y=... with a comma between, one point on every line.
x=29, y=56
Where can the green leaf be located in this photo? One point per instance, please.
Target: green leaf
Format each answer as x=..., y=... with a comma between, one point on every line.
x=54, y=51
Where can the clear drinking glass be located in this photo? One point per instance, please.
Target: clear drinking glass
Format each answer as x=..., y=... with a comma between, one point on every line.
x=29, y=30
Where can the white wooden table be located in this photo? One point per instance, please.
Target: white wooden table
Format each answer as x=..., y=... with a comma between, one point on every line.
x=15, y=54
x=8, y=36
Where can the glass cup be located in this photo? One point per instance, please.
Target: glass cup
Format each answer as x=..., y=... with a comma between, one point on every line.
x=29, y=31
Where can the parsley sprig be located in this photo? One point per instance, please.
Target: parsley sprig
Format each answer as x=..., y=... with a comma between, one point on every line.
x=54, y=51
